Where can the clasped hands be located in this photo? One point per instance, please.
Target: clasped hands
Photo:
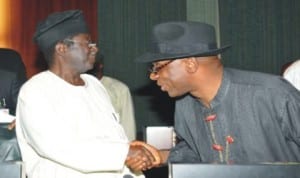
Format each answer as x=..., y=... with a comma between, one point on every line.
x=142, y=156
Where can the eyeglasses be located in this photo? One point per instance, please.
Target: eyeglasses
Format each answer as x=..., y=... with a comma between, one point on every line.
x=155, y=69
x=90, y=44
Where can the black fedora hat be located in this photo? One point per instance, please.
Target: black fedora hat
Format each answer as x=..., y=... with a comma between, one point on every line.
x=176, y=40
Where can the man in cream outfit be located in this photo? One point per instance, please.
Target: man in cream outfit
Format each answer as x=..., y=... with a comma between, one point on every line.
x=66, y=125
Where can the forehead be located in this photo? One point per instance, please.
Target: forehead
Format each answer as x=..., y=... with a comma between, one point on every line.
x=167, y=60
x=84, y=36
x=160, y=62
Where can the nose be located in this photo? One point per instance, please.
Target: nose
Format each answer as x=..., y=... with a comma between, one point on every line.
x=153, y=76
x=94, y=49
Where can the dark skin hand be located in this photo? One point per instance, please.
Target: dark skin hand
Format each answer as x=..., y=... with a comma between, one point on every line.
x=12, y=125
x=139, y=158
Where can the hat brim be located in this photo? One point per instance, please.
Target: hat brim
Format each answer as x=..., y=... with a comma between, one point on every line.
x=153, y=57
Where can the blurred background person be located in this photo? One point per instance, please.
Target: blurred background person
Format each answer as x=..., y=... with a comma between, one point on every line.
x=12, y=77
x=120, y=97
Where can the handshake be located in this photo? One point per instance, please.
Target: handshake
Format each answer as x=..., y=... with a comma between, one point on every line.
x=142, y=156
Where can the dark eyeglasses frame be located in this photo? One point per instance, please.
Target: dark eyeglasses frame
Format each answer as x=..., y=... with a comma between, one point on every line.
x=155, y=70
x=90, y=44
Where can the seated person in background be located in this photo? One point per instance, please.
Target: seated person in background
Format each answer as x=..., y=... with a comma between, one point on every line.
x=222, y=115
x=12, y=76
x=65, y=124
x=120, y=97
x=292, y=74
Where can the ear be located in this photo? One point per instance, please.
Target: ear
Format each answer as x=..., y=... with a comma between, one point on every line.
x=60, y=49
x=101, y=66
x=191, y=64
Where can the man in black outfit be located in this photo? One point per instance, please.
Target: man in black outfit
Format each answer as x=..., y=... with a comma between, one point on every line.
x=12, y=76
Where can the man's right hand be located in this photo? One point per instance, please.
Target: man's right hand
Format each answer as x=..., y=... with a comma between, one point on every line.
x=142, y=156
